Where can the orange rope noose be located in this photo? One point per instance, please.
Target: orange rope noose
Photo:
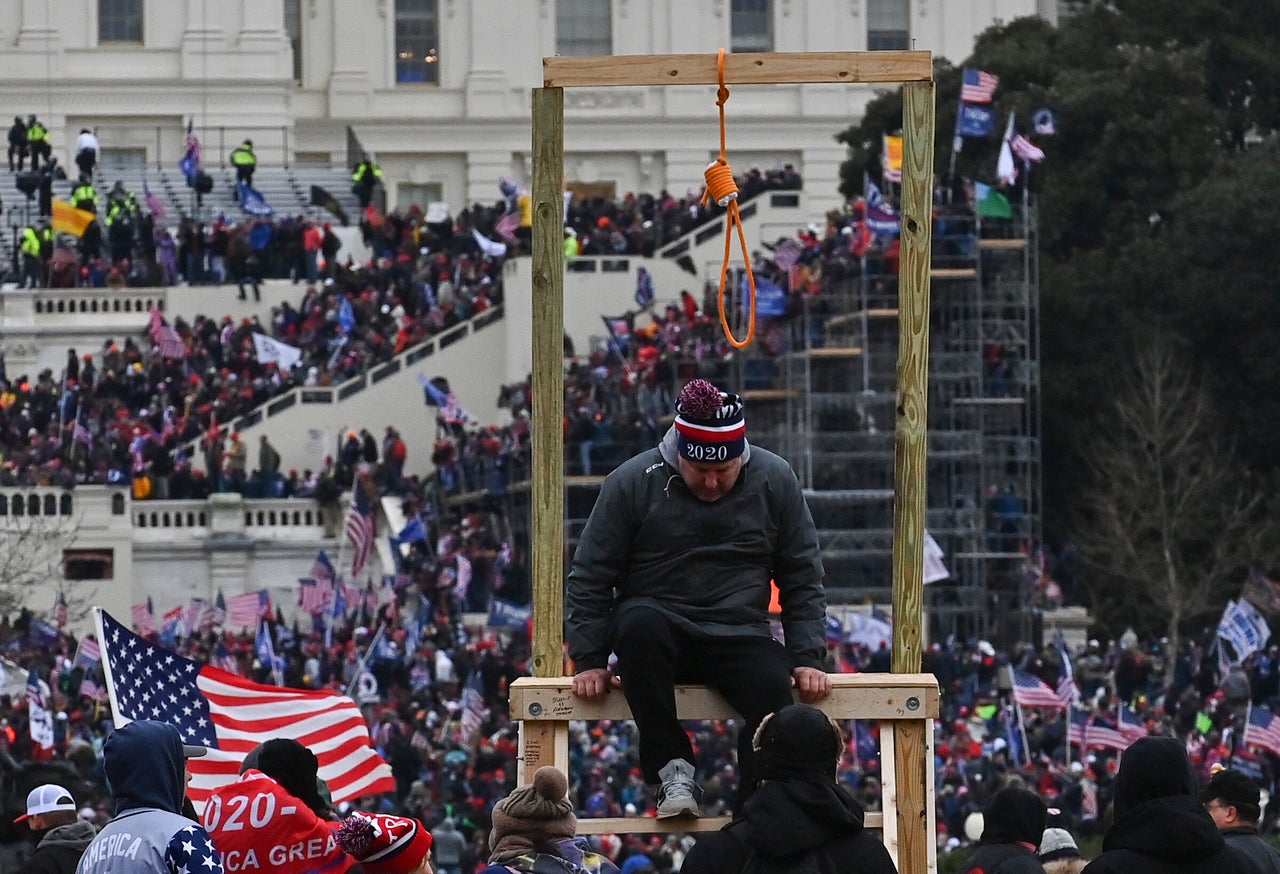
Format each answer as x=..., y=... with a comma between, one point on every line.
x=724, y=190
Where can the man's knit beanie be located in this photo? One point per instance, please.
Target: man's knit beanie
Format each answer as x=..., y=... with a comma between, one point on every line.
x=798, y=742
x=538, y=813
x=709, y=423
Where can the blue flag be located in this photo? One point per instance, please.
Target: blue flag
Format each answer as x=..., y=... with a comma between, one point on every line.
x=975, y=121
x=414, y=532
x=505, y=614
x=252, y=201
x=771, y=298
x=346, y=316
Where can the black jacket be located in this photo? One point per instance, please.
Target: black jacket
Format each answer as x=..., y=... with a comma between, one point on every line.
x=60, y=849
x=1160, y=827
x=1245, y=840
x=785, y=821
x=1004, y=859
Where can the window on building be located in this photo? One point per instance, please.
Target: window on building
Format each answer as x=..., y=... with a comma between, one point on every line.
x=417, y=42
x=751, y=26
x=119, y=21
x=887, y=25
x=293, y=28
x=420, y=194
x=88, y=564
x=584, y=27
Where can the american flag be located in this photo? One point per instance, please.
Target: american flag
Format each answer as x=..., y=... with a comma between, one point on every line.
x=154, y=204
x=218, y=615
x=1088, y=799
x=1263, y=730
x=1025, y=149
x=314, y=596
x=167, y=342
x=977, y=86
x=1103, y=735
x=1068, y=694
x=787, y=253
x=1078, y=729
x=231, y=716
x=1131, y=724
x=193, y=616
x=323, y=568
x=1031, y=691
x=189, y=163
x=144, y=618
x=360, y=529
x=60, y=611
x=243, y=611
x=473, y=711
x=223, y=659
x=88, y=655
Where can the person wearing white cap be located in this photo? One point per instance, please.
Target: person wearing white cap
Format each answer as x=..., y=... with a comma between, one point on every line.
x=52, y=809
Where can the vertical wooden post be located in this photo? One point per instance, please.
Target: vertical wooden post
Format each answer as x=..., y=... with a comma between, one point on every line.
x=909, y=468
x=547, y=529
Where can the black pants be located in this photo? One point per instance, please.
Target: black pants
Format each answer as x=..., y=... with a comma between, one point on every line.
x=752, y=673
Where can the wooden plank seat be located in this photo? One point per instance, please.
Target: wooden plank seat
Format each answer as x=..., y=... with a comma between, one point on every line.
x=545, y=705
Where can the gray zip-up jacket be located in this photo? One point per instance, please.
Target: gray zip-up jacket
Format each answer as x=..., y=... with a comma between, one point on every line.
x=650, y=542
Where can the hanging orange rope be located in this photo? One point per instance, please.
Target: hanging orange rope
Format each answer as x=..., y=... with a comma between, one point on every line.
x=724, y=190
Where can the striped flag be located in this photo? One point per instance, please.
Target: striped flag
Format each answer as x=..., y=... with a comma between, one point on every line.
x=1131, y=724
x=166, y=340
x=1025, y=149
x=1263, y=730
x=243, y=611
x=314, y=596
x=60, y=611
x=1030, y=691
x=231, y=716
x=218, y=615
x=1103, y=735
x=507, y=224
x=322, y=569
x=88, y=655
x=223, y=659
x=154, y=204
x=473, y=710
x=787, y=253
x=144, y=618
x=977, y=86
x=1068, y=694
x=1078, y=729
x=193, y=616
x=360, y=528
x=1088, y=799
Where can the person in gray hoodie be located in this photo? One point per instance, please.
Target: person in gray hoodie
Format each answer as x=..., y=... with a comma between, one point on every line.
x=51, y=809
x=672, y=573
x=145, y=766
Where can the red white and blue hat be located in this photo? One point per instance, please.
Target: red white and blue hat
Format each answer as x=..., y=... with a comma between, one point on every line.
x=709, y=423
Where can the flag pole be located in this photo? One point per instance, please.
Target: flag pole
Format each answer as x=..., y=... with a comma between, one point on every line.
x=364, y=660
x=956, y=143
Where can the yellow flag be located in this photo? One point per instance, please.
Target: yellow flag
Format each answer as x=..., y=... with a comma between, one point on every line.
x=69, y=220
x=893, y=157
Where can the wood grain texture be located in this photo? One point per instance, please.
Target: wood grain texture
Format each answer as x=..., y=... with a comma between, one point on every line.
x=912, y=797
x=910, y=429
x=547, y=525
x=756, y=68
x=853, y=696
x=914, y=789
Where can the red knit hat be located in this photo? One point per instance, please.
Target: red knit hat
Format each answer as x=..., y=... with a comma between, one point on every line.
x=384, y=844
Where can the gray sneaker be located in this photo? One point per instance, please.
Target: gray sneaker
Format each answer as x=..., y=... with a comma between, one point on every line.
x=678, y=795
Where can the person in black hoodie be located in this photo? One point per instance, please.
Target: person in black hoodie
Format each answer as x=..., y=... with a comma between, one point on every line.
x=1159, y=826
x=1012, y=825
x=799, y=818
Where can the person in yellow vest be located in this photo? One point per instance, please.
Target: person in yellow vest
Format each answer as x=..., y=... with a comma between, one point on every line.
x=84, y=195
x=364, y=179
x=245, y=162
x=32, y=262
x=38, y=145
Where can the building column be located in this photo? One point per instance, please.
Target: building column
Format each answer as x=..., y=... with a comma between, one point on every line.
x=37, y=29
x=486, y=83
x=262, y=41
x=350, y=83
x=484, y=169
x=203, y=42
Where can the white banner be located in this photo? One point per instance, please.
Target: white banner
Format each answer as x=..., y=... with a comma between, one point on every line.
x=38, y=715
x=934, y=569
x=867, y=632
x=272, y=351
x=1244, y=627
x=487, y=246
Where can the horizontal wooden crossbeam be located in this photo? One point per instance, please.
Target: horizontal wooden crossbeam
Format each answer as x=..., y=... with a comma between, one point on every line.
x=853, y=696
x=754, y=68
x=636, y=825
